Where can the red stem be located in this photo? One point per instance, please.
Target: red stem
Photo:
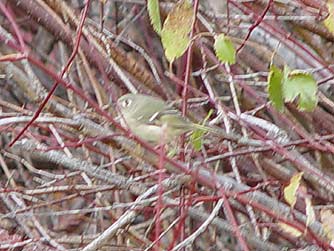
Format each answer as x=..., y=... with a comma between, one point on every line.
x=17, y=31
x=65, y=69
x=253, y=26
x=188, y=63
x=231, y=218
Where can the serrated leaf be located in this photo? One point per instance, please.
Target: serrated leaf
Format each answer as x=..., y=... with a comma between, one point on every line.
x=154, y=14
x=291, y=230
x=329, y=21
x=175, y=31
x=309, y=212
x=301, y=85
x=275, y=88
x=224, y=49
x=291, y=190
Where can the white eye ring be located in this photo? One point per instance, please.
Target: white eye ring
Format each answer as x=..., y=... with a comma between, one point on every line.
x=126, y=103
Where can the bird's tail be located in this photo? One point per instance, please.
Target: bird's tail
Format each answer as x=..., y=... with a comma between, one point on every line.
x=228, y=136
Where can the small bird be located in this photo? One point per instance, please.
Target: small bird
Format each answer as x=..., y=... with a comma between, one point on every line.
x=149, y=117
x=146, y=116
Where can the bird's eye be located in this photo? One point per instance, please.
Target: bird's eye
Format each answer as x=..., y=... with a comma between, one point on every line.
x=126, y=103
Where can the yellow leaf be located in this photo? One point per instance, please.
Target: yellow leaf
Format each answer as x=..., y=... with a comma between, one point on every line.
x=175, y=31
x=291, y=230
x=291, y=190
x=327, y=219
x=309, y=212
x=329, y=21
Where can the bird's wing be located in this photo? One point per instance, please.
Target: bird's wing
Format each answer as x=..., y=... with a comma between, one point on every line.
x=148, y=113
x=174, y=119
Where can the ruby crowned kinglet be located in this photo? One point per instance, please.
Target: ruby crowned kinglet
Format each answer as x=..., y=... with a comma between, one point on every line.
x=146, y=116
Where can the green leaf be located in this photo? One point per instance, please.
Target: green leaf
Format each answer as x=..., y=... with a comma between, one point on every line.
x=275, y=88
x=302, y=85
x=172, y=152
x=329, y=21
x=175, y=31
x=224, y=49
x=154, y=14
x=196, y=138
